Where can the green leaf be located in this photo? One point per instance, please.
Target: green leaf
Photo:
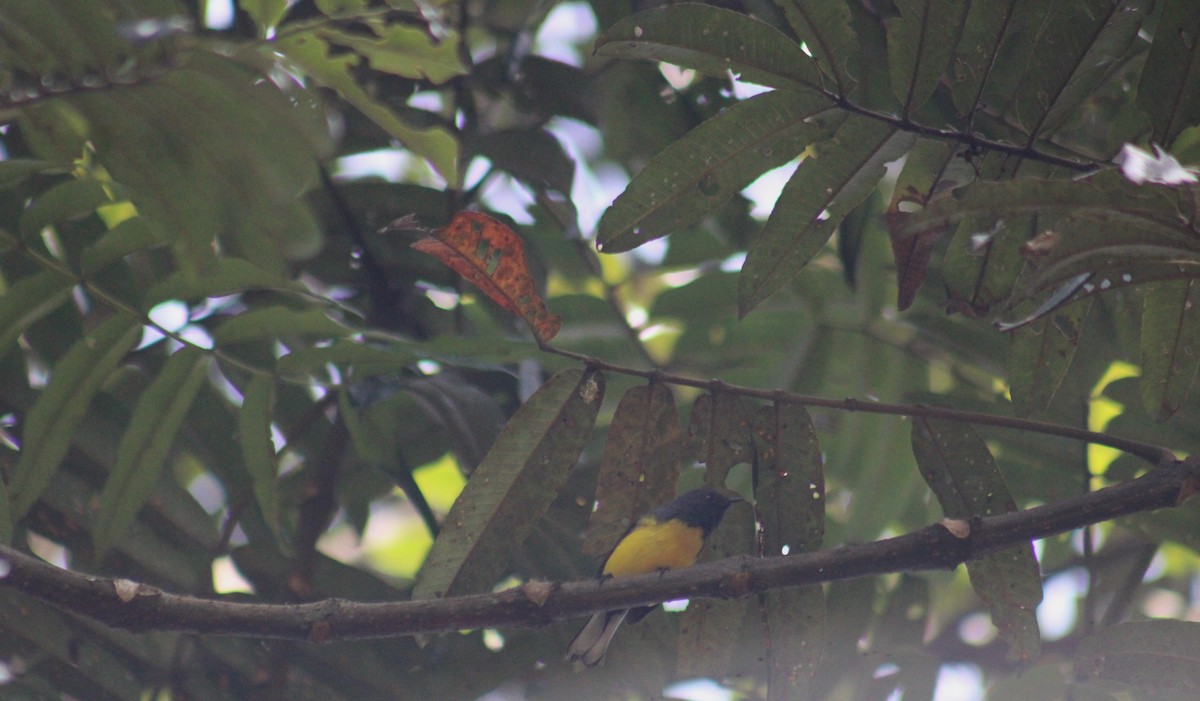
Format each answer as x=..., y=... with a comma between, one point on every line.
x=1170, y=345
x=275, y=322
x=437, y=145
x=1169, y=91
x=513, y=486
x=73, y=199
x=225, y=276
x=46, y=435
x=928, y=166
x=6, y=520
x=15, y=171
x=962, y=473
x=827, y=185
x=718, y=435
x=28, y=300
x=639, y=468
x=789, y=480
x=258, y=448
x=707, y=627
x=715, y=161
x=363, y=360
x=975, y=55
x=1040, y=356
x=712, y=40
x=824, y=27
x=142, y=454
x=402, y=50
x=920, y=45
x=1150, y=656
x=133, y=234
x=794, y=622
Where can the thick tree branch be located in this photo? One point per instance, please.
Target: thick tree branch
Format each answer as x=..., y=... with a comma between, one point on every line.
x=137, y=607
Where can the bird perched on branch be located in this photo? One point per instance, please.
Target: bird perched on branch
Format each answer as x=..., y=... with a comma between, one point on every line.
x=668, y=537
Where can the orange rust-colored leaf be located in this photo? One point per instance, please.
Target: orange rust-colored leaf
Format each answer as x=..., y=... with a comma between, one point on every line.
x=491, y=256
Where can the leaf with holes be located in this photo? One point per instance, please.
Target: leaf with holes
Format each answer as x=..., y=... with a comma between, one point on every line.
x=491, y=256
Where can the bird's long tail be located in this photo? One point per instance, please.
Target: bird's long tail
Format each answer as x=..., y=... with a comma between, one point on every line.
x=590, y=644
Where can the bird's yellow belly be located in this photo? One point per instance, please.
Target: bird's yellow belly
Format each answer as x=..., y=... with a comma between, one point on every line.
x=655, y=546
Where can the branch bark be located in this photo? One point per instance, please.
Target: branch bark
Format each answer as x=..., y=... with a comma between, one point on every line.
x=137, y=607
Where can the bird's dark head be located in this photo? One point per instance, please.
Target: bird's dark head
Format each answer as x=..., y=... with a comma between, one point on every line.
x=701, y=508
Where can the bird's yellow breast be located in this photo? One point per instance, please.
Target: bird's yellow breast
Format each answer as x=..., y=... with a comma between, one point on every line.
x=653, y=546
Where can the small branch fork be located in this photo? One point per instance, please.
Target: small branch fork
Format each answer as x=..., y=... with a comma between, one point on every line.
x=137, y=607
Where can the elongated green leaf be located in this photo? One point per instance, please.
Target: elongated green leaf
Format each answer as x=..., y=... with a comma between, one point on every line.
x=275, y=322
x=928, y=166
x=265, y=13
x=258, y=448
x=1170, y=345
x=1153, y=657
x=1119, y=25
x=27, y=301
x=402, y=50
x=15, y=171
x=1040, y=356
x=825, y=187
x=52, y=420
x=70, y=200
x=789, y=483
x=824, y=27
x=1169, y=91
x=712, y=40
x=789, y=496
x=718, y=435
x=364, y=360
x=920, y=45
x=436, y=145
x=225, y=276
x=962, y=473
x=513, y=487
x=1106, y=196
x=142, y=454
x=133, y=234
x=640, y=464
x=707, y=627
x=701, y=171
x=985, y=25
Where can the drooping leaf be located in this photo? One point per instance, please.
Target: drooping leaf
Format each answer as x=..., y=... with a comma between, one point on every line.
x=258, y=447
x=712, y=40
x=1169, y=91
x=925, y=170
x=962, y=473
x=707, y=627
x=718, y=435
x=1152, y=657
x=315, y=55
x=1170, y=345
x=491, y=256
x=143, y=450
x=826, y=186
x=715, y=161
x=789, y=495
x=639, y=467
x=920, y=45
x=513, y=487
x=824, y=27
x=1040, y=356
x=789, y=480
x=75, y=380
x=984, y=27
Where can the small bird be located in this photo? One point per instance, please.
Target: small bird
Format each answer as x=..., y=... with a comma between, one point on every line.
x=668, y=537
